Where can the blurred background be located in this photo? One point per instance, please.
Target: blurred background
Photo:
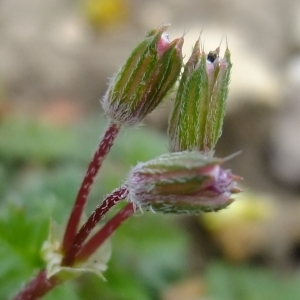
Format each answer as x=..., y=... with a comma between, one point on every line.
x=55, y=60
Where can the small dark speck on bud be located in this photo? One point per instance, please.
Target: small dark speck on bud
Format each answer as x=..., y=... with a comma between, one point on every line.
x=211, y=56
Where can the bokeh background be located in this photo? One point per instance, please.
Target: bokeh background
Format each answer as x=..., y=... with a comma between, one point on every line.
x=55, y=60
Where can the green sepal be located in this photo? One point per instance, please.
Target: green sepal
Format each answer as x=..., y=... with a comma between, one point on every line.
x=217, y=105
x=199, y=109
x=174, y=131
x=191, y=108
x=52, y=254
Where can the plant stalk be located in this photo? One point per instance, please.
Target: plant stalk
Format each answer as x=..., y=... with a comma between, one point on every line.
x=110, y=201
x=93, y=168
x=38, y=287
x=105, y=232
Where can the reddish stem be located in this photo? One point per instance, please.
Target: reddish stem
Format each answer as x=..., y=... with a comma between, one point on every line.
x=38, y=287
x=104, y=147
x=90, y=224
x=106, y=231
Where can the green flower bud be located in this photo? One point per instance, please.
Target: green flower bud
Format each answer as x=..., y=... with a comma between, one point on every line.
x=148, y=74
x=197, y=118
x=181, y=182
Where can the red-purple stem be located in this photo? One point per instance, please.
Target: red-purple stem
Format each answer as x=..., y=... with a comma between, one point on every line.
x=106, y=231
x=104, y=147
x=110, y=201
x=38, y=287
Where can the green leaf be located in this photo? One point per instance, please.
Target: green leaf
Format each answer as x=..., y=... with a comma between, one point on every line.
x=235, y=282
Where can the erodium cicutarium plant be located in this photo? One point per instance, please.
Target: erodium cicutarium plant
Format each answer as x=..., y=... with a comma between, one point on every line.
x=188, y=180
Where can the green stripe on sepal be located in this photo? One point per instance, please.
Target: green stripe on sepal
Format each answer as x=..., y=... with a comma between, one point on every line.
x=218, y=101
x=129, y=75
x=173, y=128
x=188, y=119
x=164, y=77
x=197, y=118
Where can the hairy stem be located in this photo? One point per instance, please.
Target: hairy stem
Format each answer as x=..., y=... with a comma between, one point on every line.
x=90, y=224
x=38, y=287
x=106, y=231
x=93, y=168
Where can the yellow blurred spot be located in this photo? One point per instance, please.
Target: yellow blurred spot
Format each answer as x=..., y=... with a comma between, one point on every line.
x=248, y=208
x=105, y=13
x=241, y=229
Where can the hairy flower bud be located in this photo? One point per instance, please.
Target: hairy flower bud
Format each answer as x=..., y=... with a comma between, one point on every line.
x=197, y=118
x=148, y=74
x=181, y=182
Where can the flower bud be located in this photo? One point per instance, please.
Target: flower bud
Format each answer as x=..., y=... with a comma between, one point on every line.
x=197, y=118
x=148, y=74
x=181, y=182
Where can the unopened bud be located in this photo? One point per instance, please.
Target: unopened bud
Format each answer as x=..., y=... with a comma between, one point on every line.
x=197, y=118
x=182, y=182
x=148, y=74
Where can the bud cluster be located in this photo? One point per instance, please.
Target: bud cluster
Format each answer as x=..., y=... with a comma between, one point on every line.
x=189, y=180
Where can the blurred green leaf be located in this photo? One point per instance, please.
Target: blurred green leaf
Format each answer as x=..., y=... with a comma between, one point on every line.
x=21, y=235
x=23, y=140
x=236, y=282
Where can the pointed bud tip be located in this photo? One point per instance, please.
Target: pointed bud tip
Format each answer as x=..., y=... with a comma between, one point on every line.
x=237, y=177
x=196, y=49
x=158, y=30
x=163, y=43
x=227, y=54
x=235, y=190
x=197, y=44
x=166, y=26
x=179, y=44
